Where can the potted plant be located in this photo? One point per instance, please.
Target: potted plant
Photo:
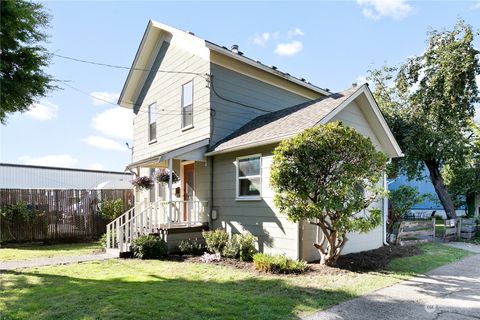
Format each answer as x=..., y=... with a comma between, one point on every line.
x=143, y=182
x=163, y=176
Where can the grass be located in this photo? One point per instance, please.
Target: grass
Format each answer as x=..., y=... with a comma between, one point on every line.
x=28, y=253
x=126, y=289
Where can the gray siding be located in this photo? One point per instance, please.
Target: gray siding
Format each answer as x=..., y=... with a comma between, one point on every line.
x=165, y=90
x=274, y=232
x=238, y=87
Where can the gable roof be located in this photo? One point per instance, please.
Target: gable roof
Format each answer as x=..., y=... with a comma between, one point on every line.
x=156, y=33
x=279, y=125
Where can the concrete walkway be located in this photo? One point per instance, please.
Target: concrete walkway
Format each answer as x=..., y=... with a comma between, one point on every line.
x=39, y=262
x=451, y=292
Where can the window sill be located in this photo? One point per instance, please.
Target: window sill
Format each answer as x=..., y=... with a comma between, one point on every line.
x=152, y=141
x=248, y=198
x=187, y=127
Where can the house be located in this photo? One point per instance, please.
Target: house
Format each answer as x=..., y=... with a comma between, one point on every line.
x=431, y=203
x=213, y=116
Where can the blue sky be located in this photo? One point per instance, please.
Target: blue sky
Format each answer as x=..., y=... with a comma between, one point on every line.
x=331, y=44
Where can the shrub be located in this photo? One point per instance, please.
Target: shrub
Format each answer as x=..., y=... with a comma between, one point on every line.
x=216, y=240
x=111, y=209
x=191, y=246
x=103, y=240
x=232, y=248
x=278, y=264
x=149, y=247
x=247, y=247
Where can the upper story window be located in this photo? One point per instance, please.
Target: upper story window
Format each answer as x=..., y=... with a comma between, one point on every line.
x=152, y=122
x=187, y=104
x=249, y=177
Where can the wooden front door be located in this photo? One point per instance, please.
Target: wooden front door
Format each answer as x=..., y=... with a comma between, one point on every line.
x=188, y=190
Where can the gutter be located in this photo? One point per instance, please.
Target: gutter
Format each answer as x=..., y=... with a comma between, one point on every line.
x=385, y=208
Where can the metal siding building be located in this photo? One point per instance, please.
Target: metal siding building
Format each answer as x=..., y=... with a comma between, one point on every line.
x=15, y=176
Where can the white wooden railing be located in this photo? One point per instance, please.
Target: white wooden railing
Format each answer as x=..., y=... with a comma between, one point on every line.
x=145, y=219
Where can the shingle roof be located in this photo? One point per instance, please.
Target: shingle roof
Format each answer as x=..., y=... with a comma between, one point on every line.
x=283, y=123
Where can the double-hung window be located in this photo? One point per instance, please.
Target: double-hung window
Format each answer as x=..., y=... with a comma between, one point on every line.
x=152, y=122
x=249, y=177
x=187, y=104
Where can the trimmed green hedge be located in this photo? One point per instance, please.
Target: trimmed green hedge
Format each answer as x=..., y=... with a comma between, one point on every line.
x=278, y=264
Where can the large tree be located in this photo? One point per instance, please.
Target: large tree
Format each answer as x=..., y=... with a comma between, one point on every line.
x=430, y=104
x=328, y=175
x=22, y=56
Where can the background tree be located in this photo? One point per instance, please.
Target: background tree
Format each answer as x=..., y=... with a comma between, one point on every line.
x=430, y=105
x=22, y=56
x=464, y=181
x=328, y=175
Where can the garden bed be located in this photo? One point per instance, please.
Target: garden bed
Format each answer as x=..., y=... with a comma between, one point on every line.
x=366, y=261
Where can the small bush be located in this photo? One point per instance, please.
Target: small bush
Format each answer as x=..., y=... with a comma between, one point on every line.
x=149, y=247
x=103, y=240
x=191, y=246
x=216, y=240
x=111, y=209
x=232, y=248
x=247, y=247
x=278, y=264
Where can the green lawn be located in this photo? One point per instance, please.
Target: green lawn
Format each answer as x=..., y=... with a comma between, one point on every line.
x=28, y=253
x=135, y=289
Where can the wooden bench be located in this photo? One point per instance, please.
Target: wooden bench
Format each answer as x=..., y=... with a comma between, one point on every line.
x=414, y=232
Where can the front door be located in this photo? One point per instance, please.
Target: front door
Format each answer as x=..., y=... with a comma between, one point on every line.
x=188, y=190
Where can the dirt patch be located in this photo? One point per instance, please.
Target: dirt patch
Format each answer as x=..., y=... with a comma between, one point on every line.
x=366, y=261
x=375, y=260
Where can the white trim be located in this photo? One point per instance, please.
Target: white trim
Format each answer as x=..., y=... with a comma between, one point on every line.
x=238, y=197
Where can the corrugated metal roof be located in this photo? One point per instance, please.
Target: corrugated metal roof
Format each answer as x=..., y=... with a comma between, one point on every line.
x=15, y=176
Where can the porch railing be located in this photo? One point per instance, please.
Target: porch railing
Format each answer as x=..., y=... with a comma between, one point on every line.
x=151, y=218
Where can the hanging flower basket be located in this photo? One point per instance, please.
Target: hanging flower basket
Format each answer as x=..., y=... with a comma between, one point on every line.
x=143, y=182
x=163, y=175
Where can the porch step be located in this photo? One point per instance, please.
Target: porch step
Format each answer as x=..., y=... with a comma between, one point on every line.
x=113, y=251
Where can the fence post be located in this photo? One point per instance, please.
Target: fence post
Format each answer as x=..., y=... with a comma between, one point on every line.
x=459, y=228
x=434, y=224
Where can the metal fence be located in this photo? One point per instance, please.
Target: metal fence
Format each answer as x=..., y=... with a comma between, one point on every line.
x=55, y=215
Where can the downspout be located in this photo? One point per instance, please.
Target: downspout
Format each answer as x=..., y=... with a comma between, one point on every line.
x=385, y=208
x=210, y=220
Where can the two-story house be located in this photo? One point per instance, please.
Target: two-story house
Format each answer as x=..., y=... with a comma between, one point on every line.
x=213, y=116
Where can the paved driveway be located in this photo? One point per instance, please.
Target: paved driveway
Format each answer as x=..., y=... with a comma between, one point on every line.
x=451, y=292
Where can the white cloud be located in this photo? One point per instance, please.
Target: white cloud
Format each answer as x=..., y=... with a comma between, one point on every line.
x=289, y=48
x=61, y=160
x=96, y=166
x=115, y=123
x=295, y=32
x=102, y=98
x=43, y=111
x=261, y=38
x=476, y=5
x=104, y=143
x=376, y=9
x=477, y=78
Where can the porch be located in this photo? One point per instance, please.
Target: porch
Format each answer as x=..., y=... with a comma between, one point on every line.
x=170, y=206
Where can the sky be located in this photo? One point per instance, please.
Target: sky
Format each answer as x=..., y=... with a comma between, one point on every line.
x=331, y=44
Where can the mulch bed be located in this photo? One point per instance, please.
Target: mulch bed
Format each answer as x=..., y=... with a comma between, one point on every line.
x=366, y=261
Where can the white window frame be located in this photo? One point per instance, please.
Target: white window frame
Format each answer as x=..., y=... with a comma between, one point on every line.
x=154, y=105
x=186, y=127
x=239, y=197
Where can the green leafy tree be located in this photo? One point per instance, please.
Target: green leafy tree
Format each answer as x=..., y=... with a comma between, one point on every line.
x=22, y=56
x=464, y=181
x=328, y=175
x=402, y=200
x=430, y=104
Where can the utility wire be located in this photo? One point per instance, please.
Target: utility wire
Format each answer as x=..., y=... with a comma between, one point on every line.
x=123, y=67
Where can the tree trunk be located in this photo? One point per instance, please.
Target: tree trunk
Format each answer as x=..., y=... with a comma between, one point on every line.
x=441, y=188
x=330, y=247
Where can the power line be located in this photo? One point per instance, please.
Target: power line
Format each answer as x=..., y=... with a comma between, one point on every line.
x=124, y=67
